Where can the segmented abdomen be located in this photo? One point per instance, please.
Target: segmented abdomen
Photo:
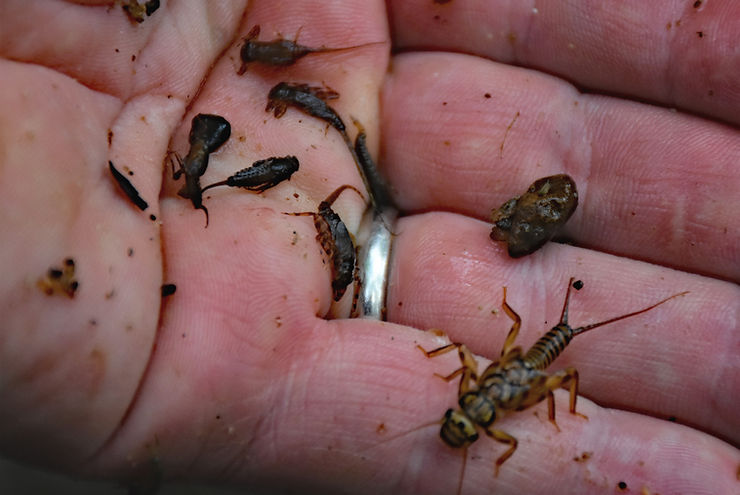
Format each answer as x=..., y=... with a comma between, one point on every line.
x=548, y=347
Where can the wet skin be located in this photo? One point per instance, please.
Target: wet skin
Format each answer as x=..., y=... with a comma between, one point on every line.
x=237, y=376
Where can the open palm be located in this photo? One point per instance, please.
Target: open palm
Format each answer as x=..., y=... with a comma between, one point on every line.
x=238, y=377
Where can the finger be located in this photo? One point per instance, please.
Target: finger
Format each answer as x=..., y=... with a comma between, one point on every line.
x=98, y=45
x=447, y=274
x=482, y=132
x=327, y=412
x=82, y=358
x=689, y=63
x=61, y=350
x=607, y=450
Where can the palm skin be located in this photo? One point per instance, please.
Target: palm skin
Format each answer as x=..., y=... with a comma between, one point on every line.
x=238, y=377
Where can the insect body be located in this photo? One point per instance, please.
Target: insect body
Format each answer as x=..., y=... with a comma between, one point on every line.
x=513, y=383
x=207, y=134
x=309, y=99
x=137, y=11
x=262, y=175
x=377, y=185
x=279, y=51
x=335, y=240
x=528, y=221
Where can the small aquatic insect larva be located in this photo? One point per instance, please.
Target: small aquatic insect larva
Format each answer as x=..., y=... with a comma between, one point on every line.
x=207, y=134
x=279, y=51
x=262, y=175
x=376, y=183
x=528, y=221
x=60, y=280
x=335, y=240
x=309, y=99
x=514, y=382
x=128, y=189
x=138, y=12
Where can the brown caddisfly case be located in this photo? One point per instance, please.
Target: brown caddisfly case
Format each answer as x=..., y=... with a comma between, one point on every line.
x=528, y=221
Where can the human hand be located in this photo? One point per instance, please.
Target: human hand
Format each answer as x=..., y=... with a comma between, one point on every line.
x=238, y=377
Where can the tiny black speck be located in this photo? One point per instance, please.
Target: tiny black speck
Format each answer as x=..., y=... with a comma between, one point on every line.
x=168, y=289
x=622, y=485
x=578, y=285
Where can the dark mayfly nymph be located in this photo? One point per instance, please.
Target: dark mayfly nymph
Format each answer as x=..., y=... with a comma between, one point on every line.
x=262, y=175
x=309, y=99
x=335, y=240
x=279, y=52
x=207, y=134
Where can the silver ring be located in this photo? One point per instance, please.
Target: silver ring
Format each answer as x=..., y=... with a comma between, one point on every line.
x=375, y=239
